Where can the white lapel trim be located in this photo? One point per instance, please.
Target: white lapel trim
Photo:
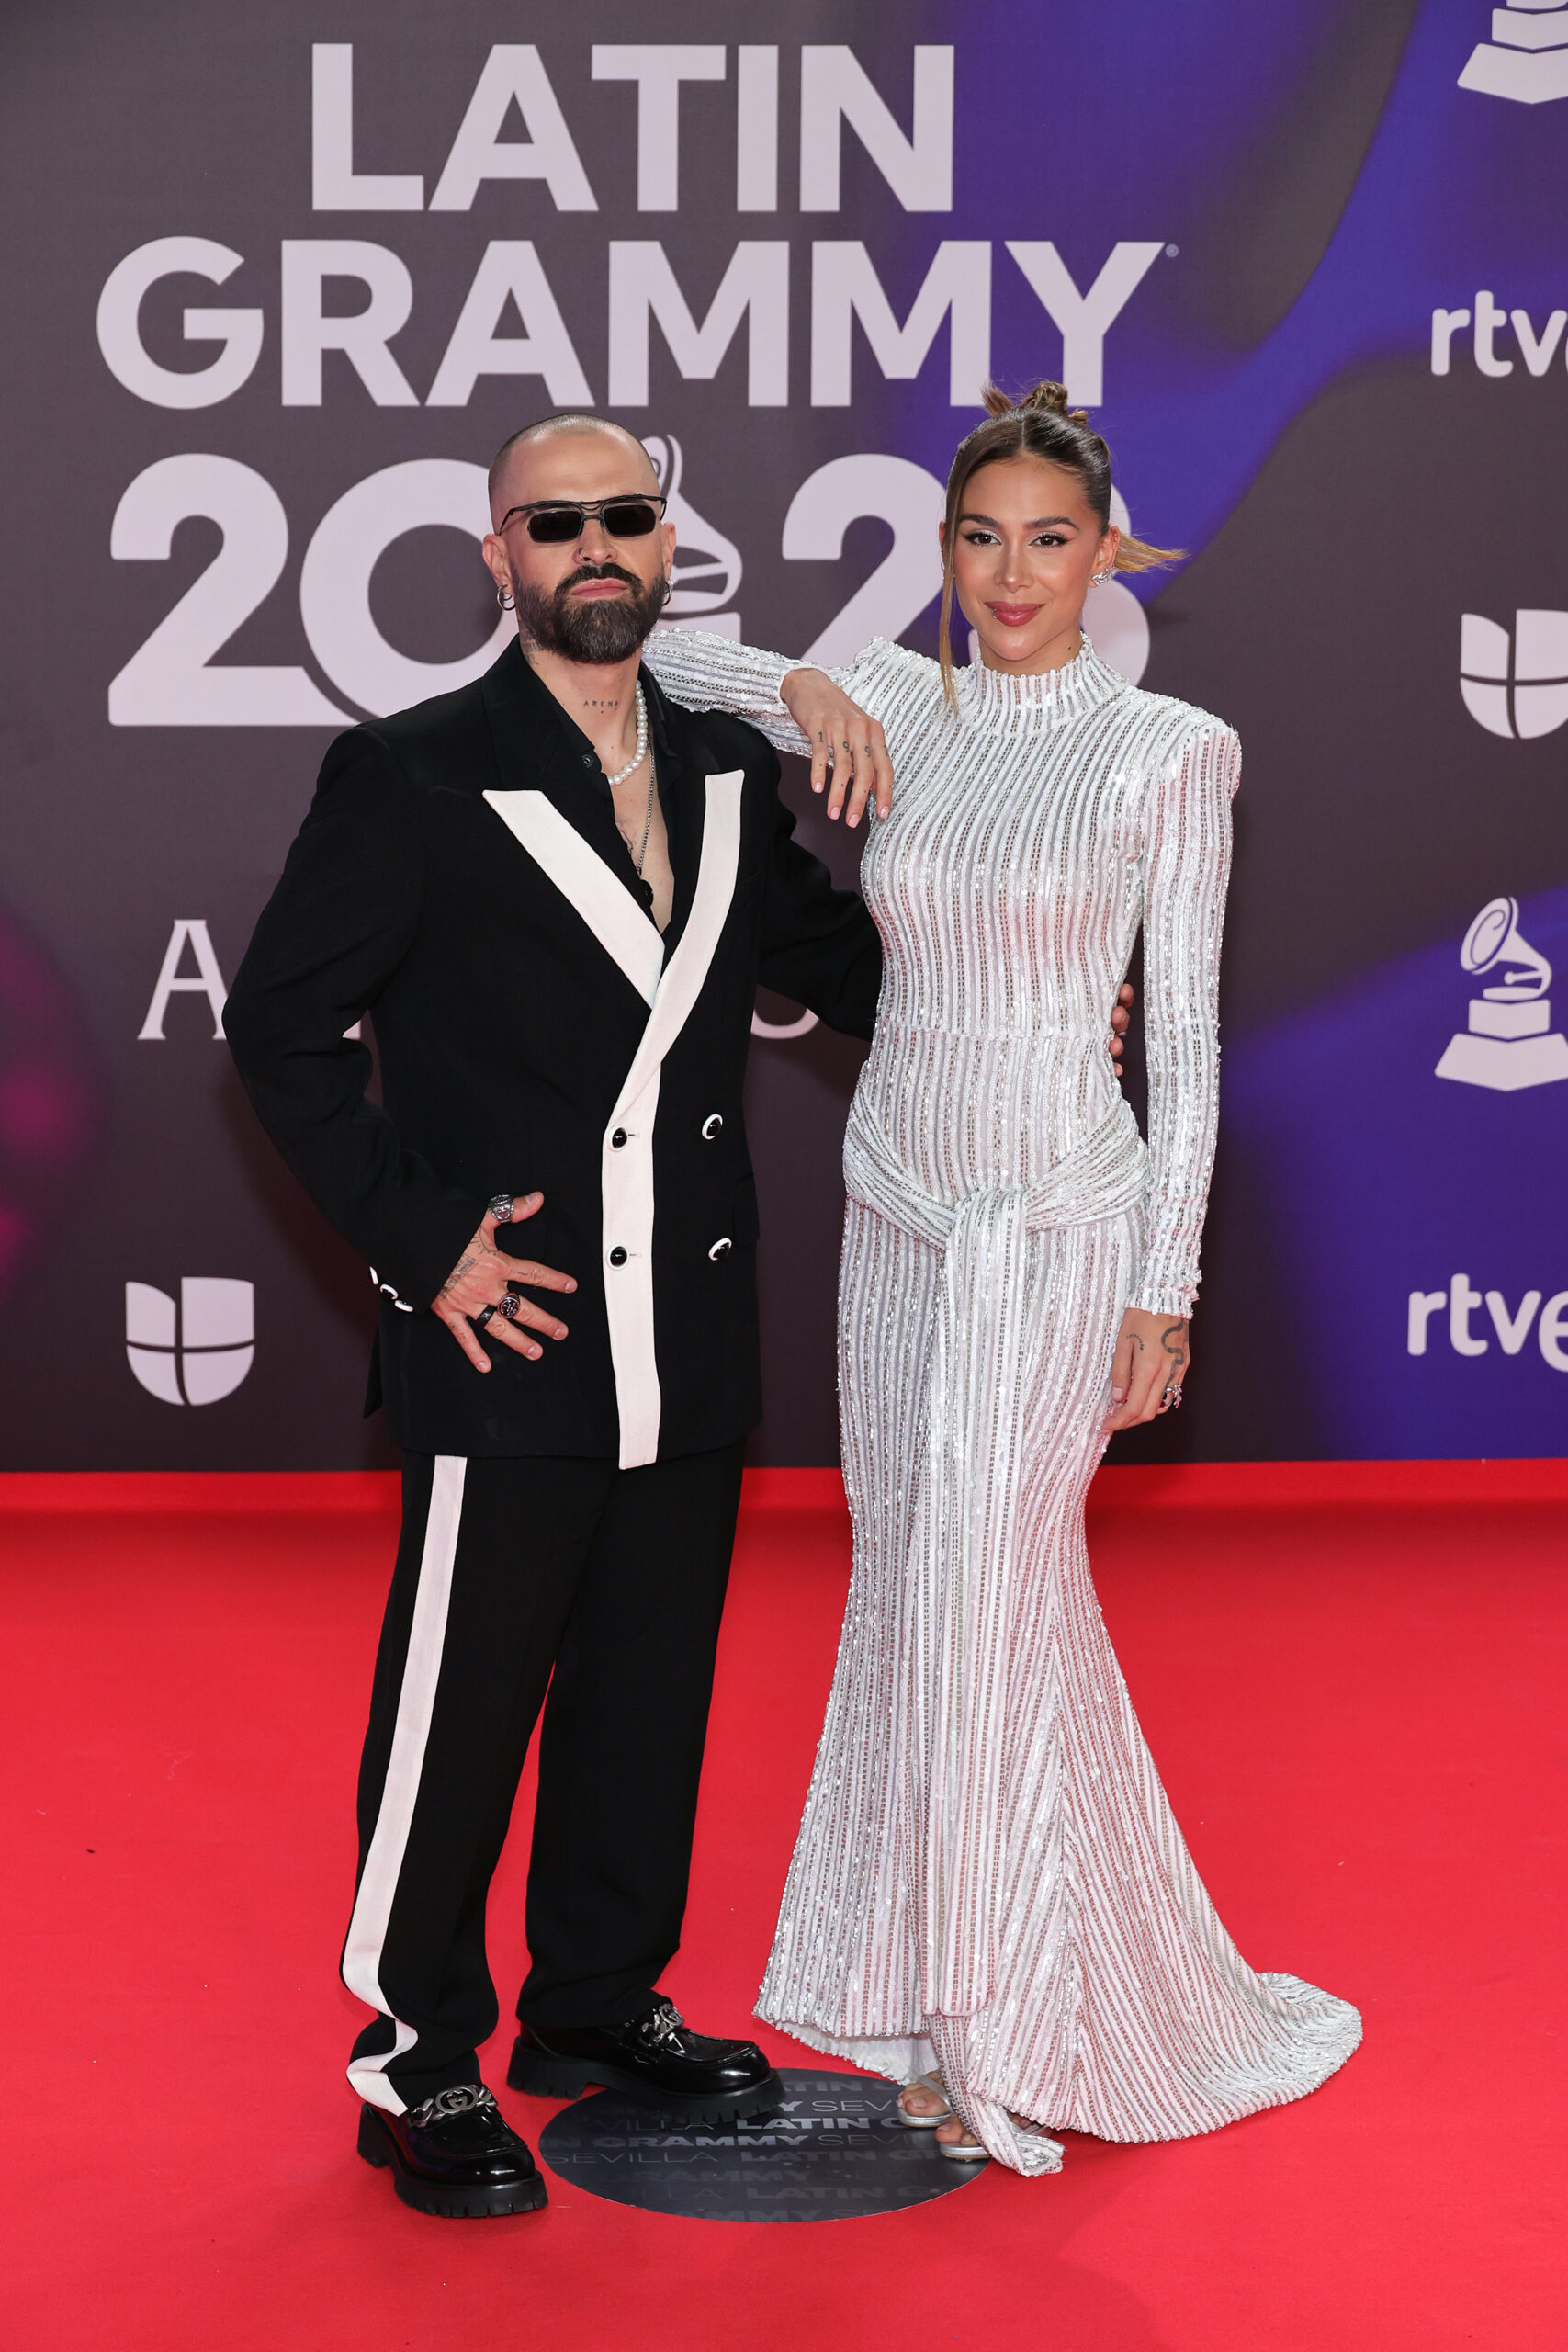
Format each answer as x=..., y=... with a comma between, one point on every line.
x=582, y=876
x=627, y=1168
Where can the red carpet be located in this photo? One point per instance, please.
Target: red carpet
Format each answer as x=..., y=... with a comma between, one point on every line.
x=1352, y=1679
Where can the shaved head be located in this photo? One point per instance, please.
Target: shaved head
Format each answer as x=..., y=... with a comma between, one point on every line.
x=509, y=461
x=591, y=597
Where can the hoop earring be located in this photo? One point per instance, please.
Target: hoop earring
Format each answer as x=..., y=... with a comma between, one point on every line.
x=508, y=604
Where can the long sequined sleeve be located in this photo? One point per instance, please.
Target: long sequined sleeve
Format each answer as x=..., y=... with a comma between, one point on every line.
x=1187, y=857
x=707, y=672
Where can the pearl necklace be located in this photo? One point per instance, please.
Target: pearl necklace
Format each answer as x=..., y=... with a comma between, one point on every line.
x=636, y=762
x=641, y=753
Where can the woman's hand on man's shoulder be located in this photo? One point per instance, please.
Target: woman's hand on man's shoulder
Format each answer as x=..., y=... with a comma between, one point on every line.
x=846, y=742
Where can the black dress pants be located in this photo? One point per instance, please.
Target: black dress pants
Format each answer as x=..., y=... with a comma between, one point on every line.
x=514, y=1576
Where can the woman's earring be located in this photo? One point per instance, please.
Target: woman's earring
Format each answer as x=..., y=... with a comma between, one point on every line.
x=508, y=604
x=1098, y=579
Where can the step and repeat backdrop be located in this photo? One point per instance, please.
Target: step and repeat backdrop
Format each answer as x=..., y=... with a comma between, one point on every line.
x=279, y=281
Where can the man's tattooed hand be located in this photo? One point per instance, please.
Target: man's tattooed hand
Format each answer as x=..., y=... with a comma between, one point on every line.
x=484, y=1281
x=465, y=1265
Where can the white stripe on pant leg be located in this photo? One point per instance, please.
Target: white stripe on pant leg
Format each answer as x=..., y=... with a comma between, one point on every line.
x=416, y=1699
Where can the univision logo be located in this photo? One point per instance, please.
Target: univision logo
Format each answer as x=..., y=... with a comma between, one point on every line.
x=1515, y=686
x=198, y=1353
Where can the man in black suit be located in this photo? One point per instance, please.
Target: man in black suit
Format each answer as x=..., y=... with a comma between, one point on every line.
x=555, y=894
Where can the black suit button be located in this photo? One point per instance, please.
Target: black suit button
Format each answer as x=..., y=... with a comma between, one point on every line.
x=588, y=760
x=618, y=1256
x=711, y=1125
x=721, y=1249
x=618, y=1139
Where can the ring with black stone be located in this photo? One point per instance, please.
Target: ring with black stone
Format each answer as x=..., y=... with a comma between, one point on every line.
x=511, y=1306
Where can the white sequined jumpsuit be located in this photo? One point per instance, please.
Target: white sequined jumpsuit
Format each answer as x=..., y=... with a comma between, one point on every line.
x=989, y=1880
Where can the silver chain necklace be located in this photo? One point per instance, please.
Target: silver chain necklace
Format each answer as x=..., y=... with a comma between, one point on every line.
x=636, y=762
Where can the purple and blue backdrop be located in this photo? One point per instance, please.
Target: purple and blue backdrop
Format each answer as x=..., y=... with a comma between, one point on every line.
x=279, y=281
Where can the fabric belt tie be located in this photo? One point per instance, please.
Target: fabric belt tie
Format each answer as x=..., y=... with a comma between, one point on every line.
x=979, y=1362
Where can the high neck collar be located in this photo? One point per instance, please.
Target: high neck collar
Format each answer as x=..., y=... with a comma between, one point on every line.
x=1005, y=698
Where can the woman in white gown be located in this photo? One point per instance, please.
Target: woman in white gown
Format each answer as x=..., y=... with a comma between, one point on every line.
x=990, y=1901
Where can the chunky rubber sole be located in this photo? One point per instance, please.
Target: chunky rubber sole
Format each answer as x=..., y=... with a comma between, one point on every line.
x=550, y=2077
x=378, y=2148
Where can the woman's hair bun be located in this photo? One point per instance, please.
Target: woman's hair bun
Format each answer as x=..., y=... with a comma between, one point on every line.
x=1046, y=398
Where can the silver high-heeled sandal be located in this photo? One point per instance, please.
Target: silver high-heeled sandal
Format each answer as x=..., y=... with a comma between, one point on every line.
x=1037, y=2151
x=933, y=2084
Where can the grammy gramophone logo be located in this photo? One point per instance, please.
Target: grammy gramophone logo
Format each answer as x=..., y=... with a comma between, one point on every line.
x=1527, y=57
x=707, y=565
x=1510, y=1041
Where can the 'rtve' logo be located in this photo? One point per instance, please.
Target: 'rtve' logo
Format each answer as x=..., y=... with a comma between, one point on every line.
x=1527, y=57
x=1515, y=686
x=1512, y=1328
x=198, y=1353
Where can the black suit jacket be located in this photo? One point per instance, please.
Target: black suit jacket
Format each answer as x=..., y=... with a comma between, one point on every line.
x=461, y=877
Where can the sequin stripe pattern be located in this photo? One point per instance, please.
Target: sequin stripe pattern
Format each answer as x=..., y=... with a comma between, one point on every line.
x=708, y=673
x=1031, y=835
x=1117, y=2005
x=962, y=1556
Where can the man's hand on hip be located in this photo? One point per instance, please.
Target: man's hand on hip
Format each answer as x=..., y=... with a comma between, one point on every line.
x=480, y=1292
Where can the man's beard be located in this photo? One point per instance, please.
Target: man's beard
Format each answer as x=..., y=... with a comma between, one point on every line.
x=595, y=628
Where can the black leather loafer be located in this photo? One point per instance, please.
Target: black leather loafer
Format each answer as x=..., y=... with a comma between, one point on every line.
x=657, y=2060
x=455, y=2156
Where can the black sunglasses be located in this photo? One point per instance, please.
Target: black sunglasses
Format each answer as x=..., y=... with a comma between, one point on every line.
x=552, y=525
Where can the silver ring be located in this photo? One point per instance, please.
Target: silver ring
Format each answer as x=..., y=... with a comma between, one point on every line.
x=1172, y=1395
x=483, y=1318
x=500, y=1208
x=511, y=1306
